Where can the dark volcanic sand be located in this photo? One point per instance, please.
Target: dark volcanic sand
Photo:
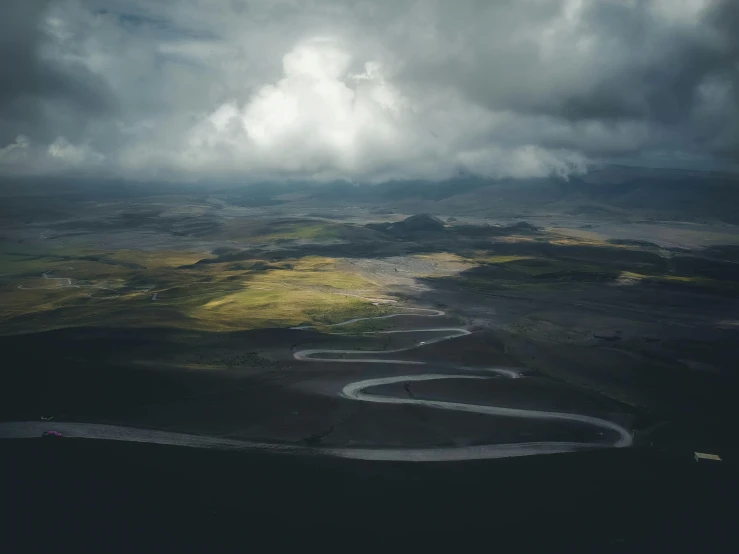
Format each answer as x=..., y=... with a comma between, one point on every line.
x=104, y=496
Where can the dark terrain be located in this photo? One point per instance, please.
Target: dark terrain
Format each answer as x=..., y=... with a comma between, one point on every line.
x=646, y=326
x=242, y=314
x=122, y=496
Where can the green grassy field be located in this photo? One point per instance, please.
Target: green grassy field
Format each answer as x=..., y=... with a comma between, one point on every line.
x=117, y=289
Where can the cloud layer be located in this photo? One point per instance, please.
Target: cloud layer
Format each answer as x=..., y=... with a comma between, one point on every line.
x=369, y=91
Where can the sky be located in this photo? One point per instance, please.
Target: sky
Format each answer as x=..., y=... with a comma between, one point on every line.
x=369, y=91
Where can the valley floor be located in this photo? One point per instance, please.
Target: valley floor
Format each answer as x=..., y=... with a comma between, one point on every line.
x=408, y=339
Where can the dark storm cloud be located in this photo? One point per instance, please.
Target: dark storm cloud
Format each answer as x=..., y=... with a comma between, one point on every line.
x=725, y=19
x=616, y=62
x=368, y=90
x=39, y=93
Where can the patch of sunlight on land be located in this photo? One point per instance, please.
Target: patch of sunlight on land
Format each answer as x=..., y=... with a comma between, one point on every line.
x=664, y=277
x=307, y=290
x=689, y=280
x=158, y=258
x=252, y=308
x=299, y=230
x=437, y=264
x=484, y=258
x=243, y=295
x=312, y=271
x=565, y=240
x=36, y=301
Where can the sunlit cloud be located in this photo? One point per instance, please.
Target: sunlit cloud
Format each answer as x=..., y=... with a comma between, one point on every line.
x=334, y=89
x=320, y=119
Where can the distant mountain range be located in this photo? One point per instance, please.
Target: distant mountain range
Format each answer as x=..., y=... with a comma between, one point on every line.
x=616, y=192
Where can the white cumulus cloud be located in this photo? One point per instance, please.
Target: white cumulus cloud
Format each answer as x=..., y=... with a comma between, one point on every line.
x=325, y=89
x=320, y=120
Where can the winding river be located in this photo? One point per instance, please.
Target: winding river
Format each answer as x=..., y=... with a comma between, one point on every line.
x=358, y=391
